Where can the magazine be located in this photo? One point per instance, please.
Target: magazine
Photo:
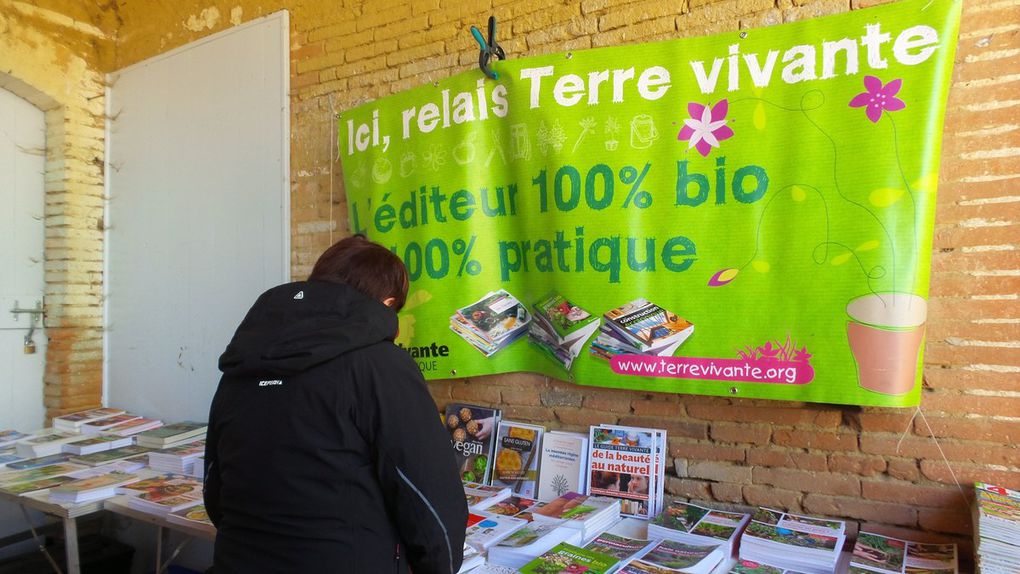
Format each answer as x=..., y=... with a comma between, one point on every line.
x=473, y=432
x=669, y=556
x=619, y=547
x=887, y=555
x=622, y=464
x=194, y=516
x=517, y=457
x=569, y=558
x=484, y=531
x=996, y=514
x=686, y=522
x=561, y=328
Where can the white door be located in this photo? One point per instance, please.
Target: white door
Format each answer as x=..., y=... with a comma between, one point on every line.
x=22, y=201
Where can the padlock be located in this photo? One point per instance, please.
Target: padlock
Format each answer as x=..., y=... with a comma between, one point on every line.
x=29, y=347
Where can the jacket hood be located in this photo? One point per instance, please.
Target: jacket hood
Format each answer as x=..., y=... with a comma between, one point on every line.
x=294, y=327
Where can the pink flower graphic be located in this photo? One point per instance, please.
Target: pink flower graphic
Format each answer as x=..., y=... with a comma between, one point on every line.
x=706, y=127
x=878, y=98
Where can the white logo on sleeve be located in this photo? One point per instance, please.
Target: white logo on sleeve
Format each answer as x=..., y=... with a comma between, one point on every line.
x=273, y=383
x=300, y=295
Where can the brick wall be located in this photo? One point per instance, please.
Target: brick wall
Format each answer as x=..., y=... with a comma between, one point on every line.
x=877, y=467
x=49, y=53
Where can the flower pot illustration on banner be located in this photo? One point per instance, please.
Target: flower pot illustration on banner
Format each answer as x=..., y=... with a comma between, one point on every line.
x=885, y=333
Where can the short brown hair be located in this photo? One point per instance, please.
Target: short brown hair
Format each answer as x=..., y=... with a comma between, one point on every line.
x=366, y=266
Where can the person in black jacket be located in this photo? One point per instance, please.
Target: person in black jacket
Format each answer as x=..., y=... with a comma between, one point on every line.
x=325, y=451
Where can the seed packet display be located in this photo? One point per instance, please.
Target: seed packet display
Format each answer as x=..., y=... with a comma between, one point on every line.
x=518, y=447
x=473, y=433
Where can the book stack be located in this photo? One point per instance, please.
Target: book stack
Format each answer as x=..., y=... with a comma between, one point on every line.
x=163, y=494
x=97, y=443
x=669, y=557
x=628, y=463
x=471, y=560
x=887, y=555
x=484, y=530
x=530, y=542
x=473, y=434
x=997, y=531
x=620, y=547
x=569, y=558
x=9, y=437
x=517, y=455
x=36, y=479
x=133, y=427
x=564, y=464
x=180, y=459
x=29, y=463
x=89, y=488
x=492, y=322
x=480, y=496
x=8, y=456
x=198, y=471
x=172, y=435
x=45, y=444
x=693, y=524
x=641, y=328
x=589, y=514
x=97, y=426
x=560, y=328
x=193, y=516
x=108, y=456
x=788, y=541
x=74, y=421
x=751, y=567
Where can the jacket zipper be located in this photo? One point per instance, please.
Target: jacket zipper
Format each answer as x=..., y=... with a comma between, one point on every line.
x=396, y=559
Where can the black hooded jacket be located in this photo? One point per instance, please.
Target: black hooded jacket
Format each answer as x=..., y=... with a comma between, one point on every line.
x=325, y=451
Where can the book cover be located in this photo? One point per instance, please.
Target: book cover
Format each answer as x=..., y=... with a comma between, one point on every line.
x=98, y=425
x=483, y=533
x=165, y=487
x=9, y=436
x=495, y=316
x=48, y=471
x=671, y=556
x=133, y=426
x=106, y=480
x=563, y=317
x=174, y=430
x=517, y=457
x=752, y=567
x=619, y=547
x=527, y=535
x=73, y=420
x=196, y=516
x=621, y=464
x=511, y=506
x=38, y=462
x=473, y=432
x=648, y=325
x=105, y=456
x=572, y=506
x=887, y=555
x=35, y=485
x=569, y=559
x=8, y=456
x=563, y=464
x=795, y=538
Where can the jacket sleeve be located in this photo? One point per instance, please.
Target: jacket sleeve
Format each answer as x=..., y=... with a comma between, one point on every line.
x=211, y=486
x=415, y=463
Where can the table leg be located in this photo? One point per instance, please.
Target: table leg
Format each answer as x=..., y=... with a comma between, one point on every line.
x=161, y=538
x=71, y=545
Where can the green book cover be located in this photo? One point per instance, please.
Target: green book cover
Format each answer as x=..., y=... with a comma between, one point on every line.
x=106, y=456
x=173, y=430
x=569, y=558
x=564, y=316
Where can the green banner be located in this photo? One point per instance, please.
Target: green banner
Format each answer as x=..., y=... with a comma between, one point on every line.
x=747, y=214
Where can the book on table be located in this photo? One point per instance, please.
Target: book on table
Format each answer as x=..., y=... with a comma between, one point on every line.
x=97, y=426
x=517, y=457
x=163, y=494
x=180, y=458
x=132, y=427
x=876, y=553
x=8, y=456
x=481, y=496
x=73, y=422
x=91, y=488
x=45, y=444
x=172, y=434
x=484, y=530
x=564, y=464
x=28, y=463
x=96, y=443
x=672, y=557
x=589, y=514
x=570, y=558
x=193, y=516
x=996, y=514
x=48, y=471
x=687, y=522
x=10, y=436
x=105, y=456
x=623, y=548
x=807, y=544
x=627, y=463
x=530, y=542
x=472, y=431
